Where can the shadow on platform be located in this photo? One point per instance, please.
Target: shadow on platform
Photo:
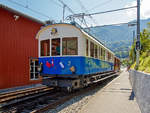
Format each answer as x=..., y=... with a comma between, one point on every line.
x=132, y=96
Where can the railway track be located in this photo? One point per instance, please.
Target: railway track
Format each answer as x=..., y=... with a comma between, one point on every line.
x=20, y=93
x=12, y=98
x=38, y=100
x=69, y=96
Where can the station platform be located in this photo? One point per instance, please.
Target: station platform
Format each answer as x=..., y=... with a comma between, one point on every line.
x=116, y=97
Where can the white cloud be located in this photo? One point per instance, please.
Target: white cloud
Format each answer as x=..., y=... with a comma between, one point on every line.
x=144, y=10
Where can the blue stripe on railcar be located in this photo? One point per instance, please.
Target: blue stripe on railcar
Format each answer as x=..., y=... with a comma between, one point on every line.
x=83, y=65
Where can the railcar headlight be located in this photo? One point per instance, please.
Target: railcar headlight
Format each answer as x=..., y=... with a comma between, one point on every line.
x=40, y=67
x=72, y=69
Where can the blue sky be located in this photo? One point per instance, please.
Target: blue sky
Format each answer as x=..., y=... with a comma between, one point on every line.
x=53, y=9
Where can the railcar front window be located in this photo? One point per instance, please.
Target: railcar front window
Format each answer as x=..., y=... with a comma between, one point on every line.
x=69, y=46
x=55, y=47
x=45, y=47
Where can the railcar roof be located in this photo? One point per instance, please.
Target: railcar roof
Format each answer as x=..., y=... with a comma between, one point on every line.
x=91, y=36
x=79, y=28
x=95, y=39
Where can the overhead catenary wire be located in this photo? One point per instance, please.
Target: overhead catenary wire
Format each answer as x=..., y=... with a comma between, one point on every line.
x=54, y=1
x=27, y=3
x=109, y=11
x=117, y=24
x=37, y=12
x=112, y=10
x=70, y=11
x=66, y=6
x=99, y=5
x=83, y=14
x=86, y=11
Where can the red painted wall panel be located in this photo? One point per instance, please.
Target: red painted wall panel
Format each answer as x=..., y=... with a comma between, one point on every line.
x=17, y=44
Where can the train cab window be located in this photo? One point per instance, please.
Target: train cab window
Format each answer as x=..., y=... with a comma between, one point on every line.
x=45, y=47
x=69, y=46
x=95, y=47
x=55, y=47
x=87, y=47
x=91, y=49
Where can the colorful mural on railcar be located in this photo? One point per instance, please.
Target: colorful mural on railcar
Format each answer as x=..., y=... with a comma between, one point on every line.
x=76, y=65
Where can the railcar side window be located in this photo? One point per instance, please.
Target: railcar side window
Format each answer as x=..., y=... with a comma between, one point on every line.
x=69, y=46
x=109, y=56
x=87, y=47
x=101, y=56
x=99, y=52
x=91, y=49
x=45, y=47
x=95, y=51
x=55, y=47
x=104, y=52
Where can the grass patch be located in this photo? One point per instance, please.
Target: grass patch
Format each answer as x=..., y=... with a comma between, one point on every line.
x=144, y=64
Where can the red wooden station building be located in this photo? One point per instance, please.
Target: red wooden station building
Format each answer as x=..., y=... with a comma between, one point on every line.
x=17, y=45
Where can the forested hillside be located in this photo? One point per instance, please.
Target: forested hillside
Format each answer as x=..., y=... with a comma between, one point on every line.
x=118, y=38
x=144, y=64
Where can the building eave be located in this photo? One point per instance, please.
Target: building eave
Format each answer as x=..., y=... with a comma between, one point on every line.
x=21, y=14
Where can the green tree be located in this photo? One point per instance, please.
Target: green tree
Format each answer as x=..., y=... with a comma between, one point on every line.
x=145, y=40
x=132, y=53
x=144, y=64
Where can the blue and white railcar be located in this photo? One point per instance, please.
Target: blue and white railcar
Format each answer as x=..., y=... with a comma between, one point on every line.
x=69, y=55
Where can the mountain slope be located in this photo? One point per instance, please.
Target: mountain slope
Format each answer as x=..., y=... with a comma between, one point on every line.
x=118, y=38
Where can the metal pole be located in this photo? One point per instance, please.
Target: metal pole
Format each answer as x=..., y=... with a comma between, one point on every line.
x=138, y=34
x=64, y=13
x=133, y=36
x=133, y=44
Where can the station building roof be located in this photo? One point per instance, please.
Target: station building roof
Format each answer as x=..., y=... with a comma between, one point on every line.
x=21, y=14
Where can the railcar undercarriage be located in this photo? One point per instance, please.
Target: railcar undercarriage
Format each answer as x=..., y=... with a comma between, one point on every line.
x=70, y=84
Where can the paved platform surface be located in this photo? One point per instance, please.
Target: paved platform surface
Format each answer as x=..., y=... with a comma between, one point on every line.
x=116, y=97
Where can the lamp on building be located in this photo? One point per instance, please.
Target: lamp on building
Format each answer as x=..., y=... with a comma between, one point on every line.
x=16, y=17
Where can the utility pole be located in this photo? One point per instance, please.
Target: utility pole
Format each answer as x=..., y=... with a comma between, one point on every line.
x=64, y=6
x=133, y=37
x=133, y=44
x=138, y=34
